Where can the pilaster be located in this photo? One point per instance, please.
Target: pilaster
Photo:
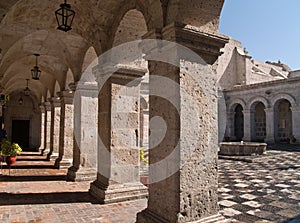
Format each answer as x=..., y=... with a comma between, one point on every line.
x=84, y=166
x=270, y=130
x=43, y=121
x=65, y=156
x=295, y=122
x=47, y=128
x=248, y=123
x=118, y=158
x=54, y=129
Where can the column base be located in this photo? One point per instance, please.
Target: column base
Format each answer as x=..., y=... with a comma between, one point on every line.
x=81, y=174
x=44, y=151
x=147, y=216
x=62, y=163
x=118, y=192
x=52, y=156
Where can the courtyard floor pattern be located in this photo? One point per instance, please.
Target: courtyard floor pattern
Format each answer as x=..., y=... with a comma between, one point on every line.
x=265, y=190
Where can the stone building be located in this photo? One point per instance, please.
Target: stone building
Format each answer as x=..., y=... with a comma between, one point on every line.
x=86, y=113
x=261, y=98
x=76, y=117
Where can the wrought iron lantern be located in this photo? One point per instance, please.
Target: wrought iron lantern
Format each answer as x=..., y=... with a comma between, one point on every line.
x=64, y=17
x=27, y=90
x=35, y=72
x=20, y=100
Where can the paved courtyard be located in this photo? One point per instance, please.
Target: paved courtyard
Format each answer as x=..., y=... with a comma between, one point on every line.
x=253, y=189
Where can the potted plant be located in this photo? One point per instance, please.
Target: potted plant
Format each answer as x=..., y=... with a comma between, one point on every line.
x=10, y=151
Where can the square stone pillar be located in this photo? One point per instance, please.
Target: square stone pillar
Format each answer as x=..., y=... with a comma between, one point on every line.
x=118, y=159
x=65, y=156
x=270, y=121
x=295, y=122
x=183, y=129
x=42, y=141
x=84, y=167
x=47, y=126
x=54, y=129
x=248, y=123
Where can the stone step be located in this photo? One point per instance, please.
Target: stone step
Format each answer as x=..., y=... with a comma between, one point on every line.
x=214, y=219
x=65, y=164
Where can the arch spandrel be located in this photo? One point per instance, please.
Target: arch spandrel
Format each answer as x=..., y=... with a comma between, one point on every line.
x=199, y=13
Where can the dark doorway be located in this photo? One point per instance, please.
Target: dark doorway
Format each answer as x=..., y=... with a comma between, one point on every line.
x=239, y=123
x=20, y=133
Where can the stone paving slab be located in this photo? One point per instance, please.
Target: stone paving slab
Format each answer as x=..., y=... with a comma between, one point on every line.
x=263, y=191
x=266, y=190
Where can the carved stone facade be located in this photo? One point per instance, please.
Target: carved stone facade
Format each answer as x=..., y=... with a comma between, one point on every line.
x=261, y=100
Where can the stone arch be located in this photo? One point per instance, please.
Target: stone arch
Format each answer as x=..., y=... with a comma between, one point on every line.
x=144, y=103
x=69, y=79
x=85, y=24
x=236, y=102
x=152, y=12
x=89, y=62
x=131, y=27
x=253, y=101
x=57, y=88
x=283, y=121
x=285, y=96
x=233, y=118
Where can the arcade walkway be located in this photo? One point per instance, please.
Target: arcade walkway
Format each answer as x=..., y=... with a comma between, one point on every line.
x=265, y=190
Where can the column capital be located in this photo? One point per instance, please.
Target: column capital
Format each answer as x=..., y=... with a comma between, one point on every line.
x=54, y=101
x=42, y=108
x=66, y=97
x=295, y=108
x=247, y=111
x=47, y=106
x=73, y=86
x=204, y=43
x=269, y=110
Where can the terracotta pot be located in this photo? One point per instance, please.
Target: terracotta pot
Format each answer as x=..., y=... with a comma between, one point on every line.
x=10, y=160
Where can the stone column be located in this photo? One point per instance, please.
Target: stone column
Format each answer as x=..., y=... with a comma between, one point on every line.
x=230, y=125
x=118, y=159
x=295, y=122
x=248, y=119
x=47, y=127
x=65, y=155
x=55, y=128
x=183, y=114
x=84, y=167
x=43, y=121
x=270, y=130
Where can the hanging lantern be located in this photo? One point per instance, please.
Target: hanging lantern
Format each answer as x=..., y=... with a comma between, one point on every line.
x=20, y=100
x=27, y=90
x=64, y=17
x=35, y=72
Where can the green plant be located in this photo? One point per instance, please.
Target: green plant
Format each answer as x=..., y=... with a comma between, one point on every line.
x=10, y=149
x=142, y=156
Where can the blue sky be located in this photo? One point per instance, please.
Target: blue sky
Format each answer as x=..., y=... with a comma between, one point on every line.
x=269, y=29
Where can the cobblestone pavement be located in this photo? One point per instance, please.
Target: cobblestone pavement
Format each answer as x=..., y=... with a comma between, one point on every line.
x=266, y=190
